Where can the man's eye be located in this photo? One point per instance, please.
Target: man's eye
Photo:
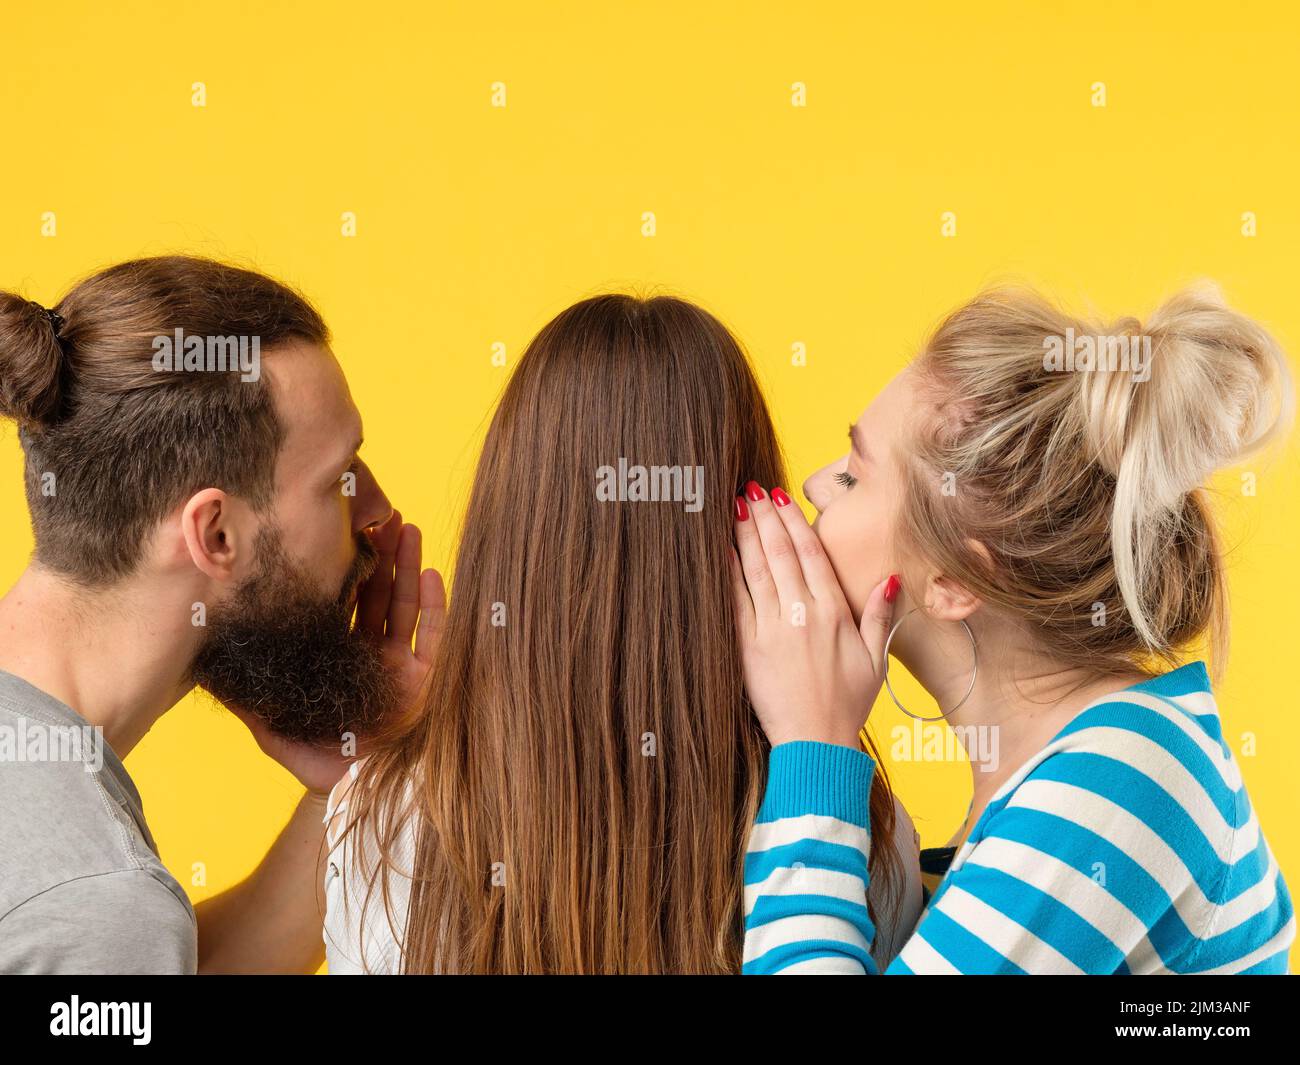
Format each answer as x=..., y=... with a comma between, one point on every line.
x=846, y=479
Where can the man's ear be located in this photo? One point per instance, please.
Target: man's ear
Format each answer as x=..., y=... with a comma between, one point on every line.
x=217, y=540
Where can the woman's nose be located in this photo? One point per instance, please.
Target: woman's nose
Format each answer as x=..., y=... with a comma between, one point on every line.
x=812, y=490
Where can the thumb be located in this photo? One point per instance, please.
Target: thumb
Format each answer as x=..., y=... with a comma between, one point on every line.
x=878, y=619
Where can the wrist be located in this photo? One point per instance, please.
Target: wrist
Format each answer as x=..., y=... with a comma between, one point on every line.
x=813, y=777
x=835, y=737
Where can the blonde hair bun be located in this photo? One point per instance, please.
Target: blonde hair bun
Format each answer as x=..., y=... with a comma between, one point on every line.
x=1085, y=487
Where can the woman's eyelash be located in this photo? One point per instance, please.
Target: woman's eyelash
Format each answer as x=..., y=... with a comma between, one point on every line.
x=846, y=479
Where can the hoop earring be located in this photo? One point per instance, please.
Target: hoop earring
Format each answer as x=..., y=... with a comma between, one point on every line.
x=969, y=688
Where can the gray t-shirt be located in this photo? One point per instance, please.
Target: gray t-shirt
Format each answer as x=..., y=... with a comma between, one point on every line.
x=82, y=889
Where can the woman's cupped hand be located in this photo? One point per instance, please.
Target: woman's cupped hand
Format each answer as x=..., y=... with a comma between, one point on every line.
x=811, y=671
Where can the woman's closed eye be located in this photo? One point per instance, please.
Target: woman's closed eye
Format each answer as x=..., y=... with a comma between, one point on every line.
x=846, y=479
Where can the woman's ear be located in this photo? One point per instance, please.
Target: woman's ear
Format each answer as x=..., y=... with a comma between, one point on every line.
x=215, y=538
x=947, y=599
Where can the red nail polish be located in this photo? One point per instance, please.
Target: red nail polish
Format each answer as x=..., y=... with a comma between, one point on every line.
x=892, y=588
x=742, y=509
x=780, y=498
x=754, y=491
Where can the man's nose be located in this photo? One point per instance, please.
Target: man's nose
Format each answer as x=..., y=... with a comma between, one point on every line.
x=376, y=508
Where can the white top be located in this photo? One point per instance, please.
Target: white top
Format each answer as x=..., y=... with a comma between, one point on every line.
x=361, y=938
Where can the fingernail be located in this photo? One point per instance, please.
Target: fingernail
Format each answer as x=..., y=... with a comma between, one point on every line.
x=892, y=587
x=742, y=509
x=754, y=491
x=780, y=498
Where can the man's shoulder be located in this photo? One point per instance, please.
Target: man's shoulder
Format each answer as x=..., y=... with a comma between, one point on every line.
x=59, y=824
x=82, y=889
x=127, y=921
x=67, y=819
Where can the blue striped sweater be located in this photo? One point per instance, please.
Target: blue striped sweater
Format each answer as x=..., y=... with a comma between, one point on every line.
x=1127, y=845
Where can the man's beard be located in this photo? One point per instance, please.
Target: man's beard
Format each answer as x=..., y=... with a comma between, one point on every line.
x=280, y=651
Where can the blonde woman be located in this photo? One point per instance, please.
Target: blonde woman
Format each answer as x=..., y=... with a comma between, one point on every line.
x=1035, y=545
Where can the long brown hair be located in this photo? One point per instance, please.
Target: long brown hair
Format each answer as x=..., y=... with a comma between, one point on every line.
x=587, y=768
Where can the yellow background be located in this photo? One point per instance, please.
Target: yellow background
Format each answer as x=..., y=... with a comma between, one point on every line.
x=818, y=225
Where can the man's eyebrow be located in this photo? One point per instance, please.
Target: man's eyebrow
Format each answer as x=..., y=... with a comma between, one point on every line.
x=355, y=448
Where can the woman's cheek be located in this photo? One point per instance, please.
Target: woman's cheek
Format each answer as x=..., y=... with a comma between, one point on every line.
x=850, y=552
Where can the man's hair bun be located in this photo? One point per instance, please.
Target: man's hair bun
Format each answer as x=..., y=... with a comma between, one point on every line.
x=31, y=363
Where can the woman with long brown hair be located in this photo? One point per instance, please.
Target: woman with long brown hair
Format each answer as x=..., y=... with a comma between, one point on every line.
x=575, y=794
